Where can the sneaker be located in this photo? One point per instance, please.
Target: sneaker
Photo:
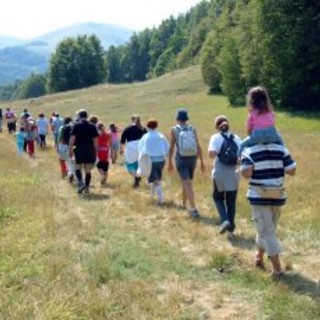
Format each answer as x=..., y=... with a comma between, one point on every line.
x=71, y=178
x=195, y=214
x=224, y=227
x=81, y=188
x=136, y=183
x=86, y=190
x=276, y=276
x=259, y=264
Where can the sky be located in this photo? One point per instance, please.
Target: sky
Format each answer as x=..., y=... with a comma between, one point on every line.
x=27, y=19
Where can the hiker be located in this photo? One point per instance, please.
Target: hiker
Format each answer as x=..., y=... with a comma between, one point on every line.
x=83, y=145
x=1, y=119
x=223, y=149
x=260, y=121
x=184, y=138
x=103, y=153
x=130, y=141
x=10, y=119
x=93, y=119
x=43, y=127
x=57, y=123
x=155, y=145
x=66, y=162
x=265, y=165
x=115, y=142
x=20, y=140
x=31, y=134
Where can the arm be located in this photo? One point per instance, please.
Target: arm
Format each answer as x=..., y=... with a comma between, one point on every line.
x=291, y=172
x=95, y=143
x=71, y=144
x=247, y=172
x=212, y=154
x=199, y=151
x=171, y=150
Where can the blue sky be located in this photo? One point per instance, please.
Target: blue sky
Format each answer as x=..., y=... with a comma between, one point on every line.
x=27, y=19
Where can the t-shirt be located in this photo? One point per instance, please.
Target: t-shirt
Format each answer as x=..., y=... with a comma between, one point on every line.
x=132, y=133
x=269, y=162
x=103, y=146
x=42, y=125
x=258, y=120
x=84, y=133
x=57, y=123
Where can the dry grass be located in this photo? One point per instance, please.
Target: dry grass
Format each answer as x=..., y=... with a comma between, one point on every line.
x=116, y=255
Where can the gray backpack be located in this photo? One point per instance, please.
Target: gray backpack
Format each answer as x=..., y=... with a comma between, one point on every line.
x=186, y=141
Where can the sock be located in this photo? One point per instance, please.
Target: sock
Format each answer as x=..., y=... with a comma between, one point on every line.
x=79, y=176
x=88, y=179
x=159, y=192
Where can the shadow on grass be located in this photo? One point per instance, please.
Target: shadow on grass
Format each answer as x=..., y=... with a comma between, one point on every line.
x=209, y=221
x=94, y=197
x=303, y=285
x=242, y=242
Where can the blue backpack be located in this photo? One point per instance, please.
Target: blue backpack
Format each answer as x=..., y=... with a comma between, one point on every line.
x=228, y=154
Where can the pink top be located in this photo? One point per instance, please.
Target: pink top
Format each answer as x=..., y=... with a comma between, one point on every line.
x=114, y=136
x=257, y=120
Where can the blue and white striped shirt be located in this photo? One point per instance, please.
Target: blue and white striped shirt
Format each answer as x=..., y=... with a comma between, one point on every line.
x=270, y=163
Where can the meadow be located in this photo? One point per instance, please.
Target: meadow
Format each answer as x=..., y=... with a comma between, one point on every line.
x=117, y=255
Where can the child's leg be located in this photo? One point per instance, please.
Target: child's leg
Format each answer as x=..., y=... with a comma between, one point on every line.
x=30, y=148
x=246, y=142
x=63, y=167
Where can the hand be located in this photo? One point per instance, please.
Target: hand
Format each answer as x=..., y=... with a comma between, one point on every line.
x=170, y=166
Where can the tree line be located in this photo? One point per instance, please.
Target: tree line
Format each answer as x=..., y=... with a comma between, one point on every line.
x=237, y=43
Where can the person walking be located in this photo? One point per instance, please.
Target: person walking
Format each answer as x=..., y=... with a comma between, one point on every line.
x=130, y=138
x=43, y=128
x=115, y=142
x=1, y=119
x=223, y=149
x=103, y=153
x=83, y=145
x=31, y=134
x=10, y=119
x=265, y=166
x=66, y=162
x=57, y=123
x=155, y=145
x=184, y=138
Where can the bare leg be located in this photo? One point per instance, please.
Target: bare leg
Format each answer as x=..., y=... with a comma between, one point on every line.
x=188, y=193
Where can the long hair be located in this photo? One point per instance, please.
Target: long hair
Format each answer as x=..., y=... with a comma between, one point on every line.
x=258, y=99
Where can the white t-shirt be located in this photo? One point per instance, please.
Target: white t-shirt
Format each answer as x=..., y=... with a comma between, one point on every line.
x=42, y=125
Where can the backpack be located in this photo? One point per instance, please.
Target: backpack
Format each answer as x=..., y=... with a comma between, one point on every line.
x=229, y=150
x=144, y=165
x=186, y=141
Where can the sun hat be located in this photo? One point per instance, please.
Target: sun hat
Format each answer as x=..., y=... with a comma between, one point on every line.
x=182, y=115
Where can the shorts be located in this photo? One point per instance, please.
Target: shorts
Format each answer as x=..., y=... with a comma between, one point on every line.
x=103, y=165
x=85, y=154
x=186, y=166
x=156, y=171
x=132, y=167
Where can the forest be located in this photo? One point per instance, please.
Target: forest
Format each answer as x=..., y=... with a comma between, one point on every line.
x=237, y=43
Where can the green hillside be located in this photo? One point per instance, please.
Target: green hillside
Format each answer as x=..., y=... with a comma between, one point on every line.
x=116, y=255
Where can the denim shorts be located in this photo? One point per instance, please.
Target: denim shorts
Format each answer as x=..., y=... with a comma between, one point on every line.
x=156, y=171
x=186, y=166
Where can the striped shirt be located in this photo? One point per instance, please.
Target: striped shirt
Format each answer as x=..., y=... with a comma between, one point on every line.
x=270, y=163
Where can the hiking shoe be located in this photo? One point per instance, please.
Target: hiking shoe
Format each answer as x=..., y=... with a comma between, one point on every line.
x=195, y=214
x=224, y=227
x=86, y=190
x=136, y=183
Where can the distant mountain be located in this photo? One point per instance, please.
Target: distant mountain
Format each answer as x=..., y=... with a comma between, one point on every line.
x=19, y=58
x=9, y=41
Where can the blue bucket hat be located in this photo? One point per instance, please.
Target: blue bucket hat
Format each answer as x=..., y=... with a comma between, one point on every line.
x=182, y=115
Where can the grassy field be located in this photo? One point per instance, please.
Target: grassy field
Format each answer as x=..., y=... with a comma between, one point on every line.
x=116, y=255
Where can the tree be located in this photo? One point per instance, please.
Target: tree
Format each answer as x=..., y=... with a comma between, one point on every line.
x=77, y=63
x=34, y=86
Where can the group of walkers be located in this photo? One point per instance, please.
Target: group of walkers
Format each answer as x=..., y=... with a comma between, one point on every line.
x=262, y=158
